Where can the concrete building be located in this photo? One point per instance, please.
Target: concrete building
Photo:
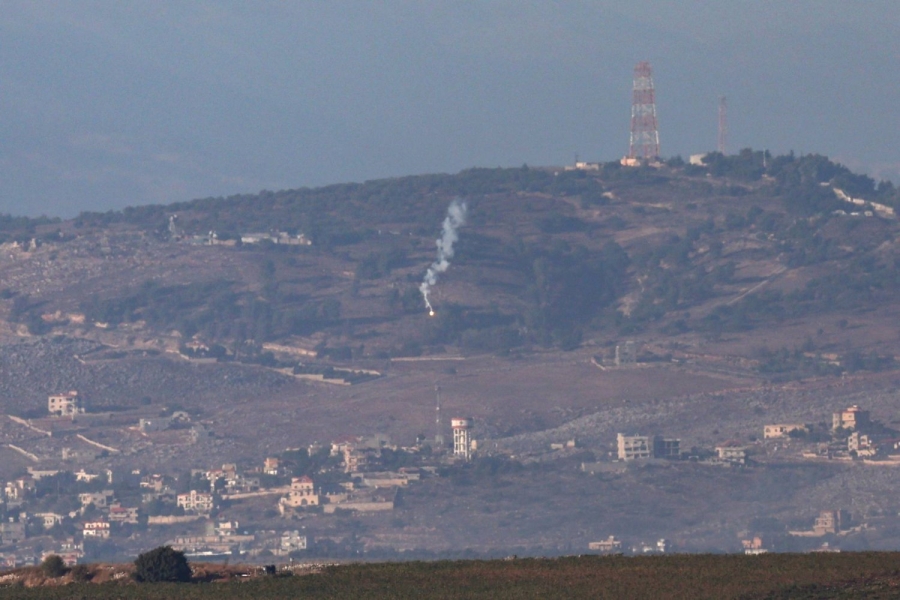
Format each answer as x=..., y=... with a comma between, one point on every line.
x=98, y=499
x=96, y=529
x=292, y=541
x=852, y=417
x=861, y=444
x=668, y=448
x=272, y=466
x=67, y=404
x=461, y=442
x=780, y=430
x=49, y=519
x=123, y=514
x=610, y=544
x=302, y=494
x=634, y=447
x=831, y=521
x=12, y=531
x=19, y=488
x=754, y=546
x=732, y=453
x=195, y=501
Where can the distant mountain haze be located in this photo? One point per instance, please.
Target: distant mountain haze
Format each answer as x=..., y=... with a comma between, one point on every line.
x=106, y=105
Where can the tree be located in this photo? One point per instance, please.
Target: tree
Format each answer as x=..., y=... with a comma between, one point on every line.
x=162, y=564
x=53, y=566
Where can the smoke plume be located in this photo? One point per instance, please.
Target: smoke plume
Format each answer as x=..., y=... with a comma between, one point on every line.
x=456, y=217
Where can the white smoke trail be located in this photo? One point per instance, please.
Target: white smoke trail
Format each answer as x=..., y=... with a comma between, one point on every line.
x=456, y=217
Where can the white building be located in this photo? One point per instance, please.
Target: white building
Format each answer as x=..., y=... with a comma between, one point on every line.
x=461, y=443
x=96, y=529
x=195, y=501
x=633, y=447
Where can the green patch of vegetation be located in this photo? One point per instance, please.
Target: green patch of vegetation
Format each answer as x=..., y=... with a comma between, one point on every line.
x=162, y=564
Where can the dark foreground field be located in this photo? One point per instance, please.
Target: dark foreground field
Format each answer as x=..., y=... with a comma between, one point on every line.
x=847, y=575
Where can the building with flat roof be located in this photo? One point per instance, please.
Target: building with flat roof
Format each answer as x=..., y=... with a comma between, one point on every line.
x=780, y=430
x=634, y=447
x=461, y=442
x=852, y=417
x=67, y=404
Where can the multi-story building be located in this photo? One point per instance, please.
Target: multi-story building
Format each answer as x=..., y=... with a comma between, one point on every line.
x=669, y=448
x=831, y=521
x=461, y=443
x=732, y=453
x=12, y=531
x=302, y=493
x=272, y=466
x=98, y=499
x=96, y=529
x=861, y=444
x=633, y=447
x=67, y=404
x=19, y=488
x=852, y=417
x=123, y=514
x=195, y=501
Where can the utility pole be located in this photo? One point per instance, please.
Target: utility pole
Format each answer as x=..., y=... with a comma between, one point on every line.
x=723, y=125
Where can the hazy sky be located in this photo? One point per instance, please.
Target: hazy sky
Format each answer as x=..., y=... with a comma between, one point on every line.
x=105, y=104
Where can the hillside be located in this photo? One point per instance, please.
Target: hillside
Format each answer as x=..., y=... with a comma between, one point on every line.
x=753, y=290
x=732, y=258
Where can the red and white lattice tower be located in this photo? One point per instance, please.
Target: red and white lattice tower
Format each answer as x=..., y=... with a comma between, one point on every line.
x=644, y=128
x=723, y=125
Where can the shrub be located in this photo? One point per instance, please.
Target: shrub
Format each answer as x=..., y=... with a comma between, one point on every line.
x=162, y=564
x=53, y=566
x=81, y=573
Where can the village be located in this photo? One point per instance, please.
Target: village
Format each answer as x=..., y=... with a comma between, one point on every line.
x=83, y=515
x=853, y=436
x=294, y=505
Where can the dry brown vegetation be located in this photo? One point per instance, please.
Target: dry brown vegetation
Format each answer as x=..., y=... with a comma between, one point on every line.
x=870, y=575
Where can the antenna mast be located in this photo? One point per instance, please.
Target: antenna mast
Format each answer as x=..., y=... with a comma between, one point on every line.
x=723, y=125
x=438, y=435
x=644, y=127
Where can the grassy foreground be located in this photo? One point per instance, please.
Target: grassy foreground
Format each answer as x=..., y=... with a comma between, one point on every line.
x=775, y=576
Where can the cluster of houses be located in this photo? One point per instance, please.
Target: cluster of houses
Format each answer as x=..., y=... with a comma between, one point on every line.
x=614, y=545
x=644, y=447
x=854, y=435
x=107, y=505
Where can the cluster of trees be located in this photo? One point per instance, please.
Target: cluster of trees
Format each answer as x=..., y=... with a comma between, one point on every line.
x=216, y=310
x=22, y=229
x=800, y=178
x=568, y=288
x=346, y=214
